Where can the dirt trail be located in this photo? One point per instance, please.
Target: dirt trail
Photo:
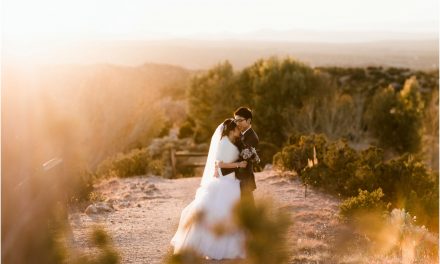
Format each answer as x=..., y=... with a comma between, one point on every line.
x=148, y=210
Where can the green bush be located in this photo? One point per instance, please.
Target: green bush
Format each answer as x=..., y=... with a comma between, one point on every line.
x=265, y=239
x=341, y=161
x=104, y=253
x=266, y=151
x=367, y=166
x=187, y=129
x=275, y=89
x=405, y=181
x=396, y=118
x=82, y=187
x=295, y=157
x=125, y=165
x=364, y=202
x=410, y=185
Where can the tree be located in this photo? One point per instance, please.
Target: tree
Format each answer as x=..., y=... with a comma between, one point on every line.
x=211, y=98
x=396, y=118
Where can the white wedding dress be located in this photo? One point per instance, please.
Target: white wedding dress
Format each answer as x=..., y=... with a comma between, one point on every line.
x=211, y=208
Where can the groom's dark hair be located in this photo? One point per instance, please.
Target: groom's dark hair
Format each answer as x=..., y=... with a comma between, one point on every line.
x=244, y=112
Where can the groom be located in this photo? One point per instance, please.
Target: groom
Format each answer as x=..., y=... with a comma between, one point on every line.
x=243, y=119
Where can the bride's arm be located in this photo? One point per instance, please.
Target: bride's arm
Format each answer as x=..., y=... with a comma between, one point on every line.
x=231, y=165
x=223, y=152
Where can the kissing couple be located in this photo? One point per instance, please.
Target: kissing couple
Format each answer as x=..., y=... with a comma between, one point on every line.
x=206, y=225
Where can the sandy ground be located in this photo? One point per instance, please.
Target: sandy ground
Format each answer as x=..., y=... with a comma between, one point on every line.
x=148, y=210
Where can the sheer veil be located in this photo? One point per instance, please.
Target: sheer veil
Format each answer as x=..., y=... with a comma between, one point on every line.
x=208, y=172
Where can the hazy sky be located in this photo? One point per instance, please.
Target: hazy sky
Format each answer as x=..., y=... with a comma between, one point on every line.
x=142, y=19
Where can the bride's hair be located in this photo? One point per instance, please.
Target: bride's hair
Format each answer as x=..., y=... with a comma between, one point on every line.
x=228, y=125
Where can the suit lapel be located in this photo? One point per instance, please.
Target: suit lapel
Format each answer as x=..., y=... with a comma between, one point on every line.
x=245, y=135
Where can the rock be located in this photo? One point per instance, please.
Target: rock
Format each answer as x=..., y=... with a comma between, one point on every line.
x=113, y=182
x=149, y=192
x=98, y=208
x=268, y=167
x=152, y=187
x=124, y=204
x=91, y=209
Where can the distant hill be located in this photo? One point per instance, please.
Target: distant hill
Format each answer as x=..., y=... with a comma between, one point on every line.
x=203, y=54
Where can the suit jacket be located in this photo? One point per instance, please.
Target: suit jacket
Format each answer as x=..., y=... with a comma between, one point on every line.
x=246, y=175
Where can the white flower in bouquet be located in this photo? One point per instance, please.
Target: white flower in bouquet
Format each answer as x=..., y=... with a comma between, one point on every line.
x=250, y=154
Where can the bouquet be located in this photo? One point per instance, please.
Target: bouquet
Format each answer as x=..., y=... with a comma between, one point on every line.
x=249, y=154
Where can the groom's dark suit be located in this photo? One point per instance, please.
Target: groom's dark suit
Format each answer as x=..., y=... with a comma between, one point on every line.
x=246, y=175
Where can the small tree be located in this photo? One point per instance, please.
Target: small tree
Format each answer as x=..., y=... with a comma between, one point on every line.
x=396, y=118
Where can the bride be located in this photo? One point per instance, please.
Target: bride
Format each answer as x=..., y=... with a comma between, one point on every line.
x=206, y=225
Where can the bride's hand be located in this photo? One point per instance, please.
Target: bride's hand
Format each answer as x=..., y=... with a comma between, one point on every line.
x=243, y=164
x=216, y=169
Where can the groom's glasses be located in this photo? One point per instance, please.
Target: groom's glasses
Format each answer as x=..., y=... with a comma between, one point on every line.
x=238, y=120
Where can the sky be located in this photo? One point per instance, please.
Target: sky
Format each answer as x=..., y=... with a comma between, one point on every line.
x=145, y=19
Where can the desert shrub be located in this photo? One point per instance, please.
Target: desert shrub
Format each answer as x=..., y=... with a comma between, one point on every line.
x=105, y=252
x=365, y=177
x=406, y=182
x=275, y=89
x=160, y=153
x=395, y=234
x=395, y=118
x=315, y=175
x=295, y=157
x=431, y=128
x=341, y=161
x=82, y=187
x=187, y=128
x=266, y=151
x=132, y=163
x=167, y=125
x=364, y=202
x=212, y=96
x=184, y=257
x=265, y=239
x=154, y=159
x=410, y=185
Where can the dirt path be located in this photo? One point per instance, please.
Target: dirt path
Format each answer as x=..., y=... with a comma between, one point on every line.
x=148, y=210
